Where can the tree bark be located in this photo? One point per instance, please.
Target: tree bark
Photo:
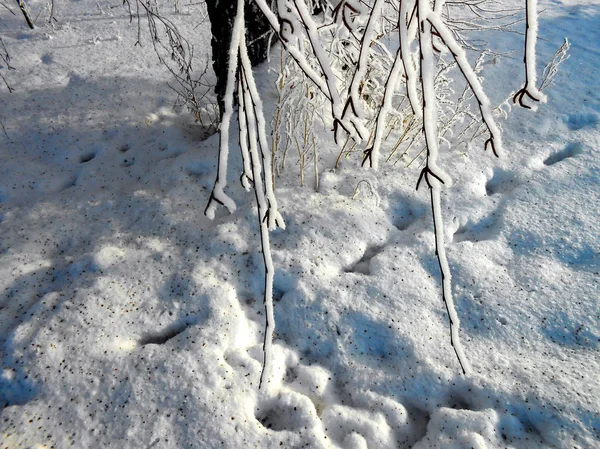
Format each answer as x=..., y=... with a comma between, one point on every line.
x=222, y=14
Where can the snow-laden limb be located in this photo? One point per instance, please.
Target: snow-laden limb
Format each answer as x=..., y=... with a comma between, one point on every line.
x=460, y=56
x=218, y=195
x=402, y=61
x=430, y=112
x=440, y=249
x=337, y=111
x=246, y=176
x=292, y=50
x=257, y=160
x=288, y=21
x=407, y=29
x=268, y=302
x=438, y=6
x=353, y=111
x=530, y=89
x=432, y=174
x=348, y=13
x=252, y=140
x=248, y=115
x=272, y=217
x=372, y=154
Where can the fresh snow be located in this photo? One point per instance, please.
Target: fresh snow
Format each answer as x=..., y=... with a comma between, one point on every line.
x=130, y=320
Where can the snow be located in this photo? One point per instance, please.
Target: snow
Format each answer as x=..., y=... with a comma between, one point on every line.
x=128, y=319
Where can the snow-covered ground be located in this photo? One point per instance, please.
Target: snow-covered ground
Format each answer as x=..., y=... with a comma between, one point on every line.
x=129, y=320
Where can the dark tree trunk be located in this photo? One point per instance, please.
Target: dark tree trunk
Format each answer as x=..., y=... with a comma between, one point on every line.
x=222, y=15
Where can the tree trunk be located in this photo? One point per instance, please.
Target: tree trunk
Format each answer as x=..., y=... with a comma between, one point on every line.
x=222, y=14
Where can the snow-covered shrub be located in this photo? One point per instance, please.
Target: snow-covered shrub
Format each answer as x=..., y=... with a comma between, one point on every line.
x=337, y=69
x=299, y=107
x=380, y=79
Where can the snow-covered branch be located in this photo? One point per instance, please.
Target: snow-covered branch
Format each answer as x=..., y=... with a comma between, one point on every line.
x=433, y=175
x=408, y=29
x=495, y=139
x=353, y=110
x=294, y=51
x=218, y=195
x=530, y=89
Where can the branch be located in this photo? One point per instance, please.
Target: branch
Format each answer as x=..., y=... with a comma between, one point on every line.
x=432, y=174
x=358, y=115
x=246, y=177
x=408, y=28
x=23, y=8
x=372, y=154
x=275, y=219
x=293, y=51
x=324, y=63
x=530, y=89
x=495, y=139
x=5, y=57
x=218, y=195
x=264, y=208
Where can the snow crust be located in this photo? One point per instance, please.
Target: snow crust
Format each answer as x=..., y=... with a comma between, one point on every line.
x=130, y=320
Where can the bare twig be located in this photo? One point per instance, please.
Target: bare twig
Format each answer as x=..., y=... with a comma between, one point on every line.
x=5, y=59
x=23, y=8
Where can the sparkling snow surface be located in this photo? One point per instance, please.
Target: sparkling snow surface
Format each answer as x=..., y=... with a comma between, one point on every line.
x=130, y=320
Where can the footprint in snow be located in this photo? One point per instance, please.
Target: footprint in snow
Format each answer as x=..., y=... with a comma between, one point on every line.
x=579, y=121
x=502, y=181
x=363, y=265
x=488, y=228
x=571, y=150
x=68, y=183
x=163, y=336
x=407, y=212
x=86, y=157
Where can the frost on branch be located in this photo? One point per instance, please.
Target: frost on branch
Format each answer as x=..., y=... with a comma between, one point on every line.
x=551, y=69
